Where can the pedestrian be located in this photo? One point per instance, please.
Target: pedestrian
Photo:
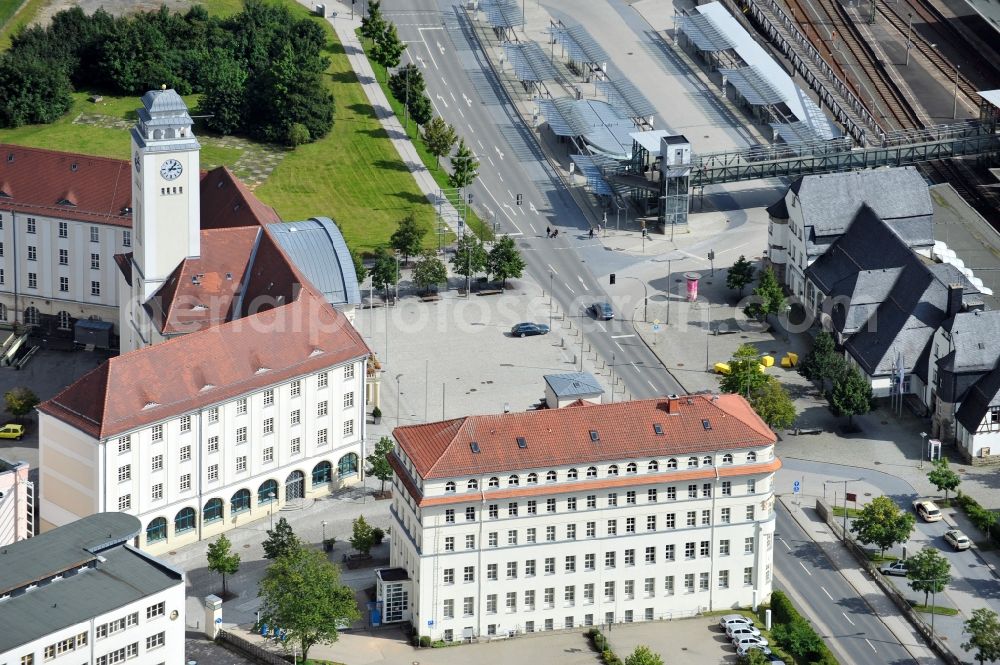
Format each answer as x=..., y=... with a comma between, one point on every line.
x=591, y=232
x=555, y=233
x=548, y=232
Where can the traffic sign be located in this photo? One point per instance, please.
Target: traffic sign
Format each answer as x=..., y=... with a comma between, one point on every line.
x=796, y=487
x=219, y=620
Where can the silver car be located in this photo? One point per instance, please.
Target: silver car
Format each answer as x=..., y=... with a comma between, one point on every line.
x=730, y=619
x=745, y=641
x=737, y=632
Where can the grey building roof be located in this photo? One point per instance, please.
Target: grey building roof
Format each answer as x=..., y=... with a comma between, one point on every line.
x=974, y=337
x=73, y=573
x=980, y=397
x=899, y=196
x=164, y=102
x=575, y=384
x=891, y=301
x=318, y=249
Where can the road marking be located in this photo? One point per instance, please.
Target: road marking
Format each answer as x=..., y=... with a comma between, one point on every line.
x=619, y=347
x=585, y=287
x=427, y=46
x=460, y=113
x=871, y=645
x=533, y=208
x=440, y=48
x=805, y=569
x=491, y=161
x=481, y=147
x=453, y=98
x=785, y=544
x=635, y=368
x=500, y=207
x=846, y=617
x=650, y=384
x=509, y=194
x=500, y=176
x=621, y=336
x=532, y=227
x=471, y=129
x=442, y=101
x=551, y=269
x=498, y=151
x=570, y=288
x=444, y=80
x=826, y=592
x=468, y=101
x=422, y=62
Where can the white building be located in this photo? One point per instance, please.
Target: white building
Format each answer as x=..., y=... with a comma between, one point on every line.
x=590, y=514
x=17, y=502
x=83, y=593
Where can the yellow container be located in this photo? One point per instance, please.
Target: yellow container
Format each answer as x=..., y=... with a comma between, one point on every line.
x=793, y=358
x=767, y=361
x=786, y=362
x=761, y=368
x=722, y=368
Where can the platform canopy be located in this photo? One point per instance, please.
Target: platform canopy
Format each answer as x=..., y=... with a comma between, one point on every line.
x=529, y=62
x=752, y=85
x=703, y=32
x=503, y=13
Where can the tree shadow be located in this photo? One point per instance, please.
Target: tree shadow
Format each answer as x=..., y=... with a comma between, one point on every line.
x=365, y=110
x=411, y=197
x=391, y=165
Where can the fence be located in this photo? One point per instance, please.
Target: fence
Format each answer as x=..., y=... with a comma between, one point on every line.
x=252, y=651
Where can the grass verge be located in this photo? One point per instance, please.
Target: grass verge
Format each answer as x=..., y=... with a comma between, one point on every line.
x=10, y=24
x=851, y=512
x=937, y=609
x=478, y=226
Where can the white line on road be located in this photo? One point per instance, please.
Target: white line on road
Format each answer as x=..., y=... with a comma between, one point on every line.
x=498, y=151
x=453, y=98
x=619, y=347
x=533, y=208
x=785, y=544
x=460, y=112
x=805, y=569
x=500, y=176
x=422, y=62
x=551, y=269
x=845, y=616
x=650, y=384
x=481, y=146
x=582, y=283
x=509, y=194
x=500, y=207
x=621, y=336
x=427, y=46
x=635, y=368
x=826, y=592
x=442, y=101
x=474, y=131
x=532, y=227
x=871, y=645
x=440, y=48
x=491, y=161
x=570, y=288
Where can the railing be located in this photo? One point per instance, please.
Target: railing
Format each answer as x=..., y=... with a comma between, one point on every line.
x=252, y=651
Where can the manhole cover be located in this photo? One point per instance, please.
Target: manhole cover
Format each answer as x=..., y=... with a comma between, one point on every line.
x=961, y=470
x=472, y=390
x=877, y=463
x=171, y=553
x=680, y=364
x=868, y=493
x=247, y=546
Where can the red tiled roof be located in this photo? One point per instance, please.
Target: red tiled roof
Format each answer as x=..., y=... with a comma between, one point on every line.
x=94, y=189
x=207, y=367
x=562, y=436
x=226, y=202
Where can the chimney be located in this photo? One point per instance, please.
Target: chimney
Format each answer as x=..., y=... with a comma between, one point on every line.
x=673, y=403
x=954, y=299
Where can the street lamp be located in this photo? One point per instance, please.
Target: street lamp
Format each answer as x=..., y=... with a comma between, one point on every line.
x=270, y=500
x=324, y=531
x=645, y=299
x=551, y=276
x=855, y=480
x=923, y=437
x=954, y=108
x=396, y=252
x=398, y=377
x=933, y=597
x=909, y=28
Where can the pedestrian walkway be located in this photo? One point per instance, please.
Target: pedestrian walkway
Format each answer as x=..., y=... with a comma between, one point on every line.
x=345, y=27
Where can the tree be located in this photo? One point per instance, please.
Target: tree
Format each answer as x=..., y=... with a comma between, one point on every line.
x=20, y=401
x=421, y=109
x=755, y=657
x=359, y=266
x=301, y=593
x=822, y=363
x=378, y=461
x=470, y=256
x=851, y=395
x=223, y=101
x=439, y=137
x=769, y=298
x=33, y=91
x=798, y=638
x=505, y=260
x=984, y=628
x=221, y=560
x=745, y=377
x=740, y=274
x=280, y=540
x=643, y=655
x=464, y=167
x=362, y=536
x=407, y=83
x=407, y=237
x=882, y=523
x=430, y=270
x=943, y=478
x=773, y=404
x=928, y=571
x=373, y=25
x=385, y=272
x=388, y=48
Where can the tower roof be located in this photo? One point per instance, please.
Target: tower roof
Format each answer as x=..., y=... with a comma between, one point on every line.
x=164, y=102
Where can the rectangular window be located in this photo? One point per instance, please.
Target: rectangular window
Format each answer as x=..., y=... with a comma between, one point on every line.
x=449, y=515
x=64, y=257
x=493, y=538
x=591, y=501
x=629, y=525
x=296, y=446
x=213, y=472
x=629, y=590
x=649, y=587
x=32, y=253
x=185, y=482
x=268, y=425
x=550, y=505
x=491, y=603
x=470, y=514
x=511, y=570
x=651, y=495
x=727, y=488
x=63, y=230
x=157, y=462
x=296, y=388
x=689, y=583
x=127, y=238
x=95, y=288
x=241, y=406
x=241, y=435
x=703, y=581
x=651, y=523
x=125, y=473
x=95, y=234
x=491, y=572
x=155, y=641
x=750, y=513
x=529, y=600
x=186, y=426
x=348, y=372
x=449, y=608
x=95, y=261
x=124, y=502
x=532, y=507
x=650, y=555
x=748, y=545
x=213, y=414
x=723, y=579
x=185, y=453
x=550, y=534
x=588, y=593
x=571, y=532
x=550, y=597
x=671, y=494
x=348, y=400
x=591, y=529
x=213, y=444
x=494, y=511
x=529, y=568
x=321, y=436
x=612, y=500
x=570, y=564
x=706, y=518
x=512, y=537
x=241, y=463
x=668, y=585
x=609, y=591
x=449, y=544
x=751, y=486
x=629, y=557
x=589, y=561
x=689, y=550
x=470, y=542
x=612, y=527
x=609, y=559
x=268, y=454
x=323, y=379
x=296, y=417
x=692, y=491
x=157, y=492
x=669, y=552
x=511, y=601
x=321, y=409
x=704, y=548
x=692, y=518
x=124, y=444
x=571, y=503
x=512, y=510
x=630, y=497
x=706, y=490
x=32, y=280
x=725, y=516
x=2, y=281
x=349, y=427
x=724, y=548
x=269, y=397
x=748, y=575
x=671, y=521
x=64, y=284
x=569, y=596
x=449, y=575
x=550, y=565
x=469, y=605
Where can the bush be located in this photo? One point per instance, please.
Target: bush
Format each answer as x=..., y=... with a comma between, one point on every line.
x=609, y=657
x=376, y=412
x=425, y=640
x=378, y=535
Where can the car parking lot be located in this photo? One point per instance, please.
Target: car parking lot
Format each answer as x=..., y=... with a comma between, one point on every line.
x=696, y=641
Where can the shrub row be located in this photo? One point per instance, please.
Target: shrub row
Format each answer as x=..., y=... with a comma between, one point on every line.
x=603, y=646
x=790, y=626
x=984, y=519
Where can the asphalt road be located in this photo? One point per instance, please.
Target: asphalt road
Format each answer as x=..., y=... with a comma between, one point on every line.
x=464, y=92
x=843, y=618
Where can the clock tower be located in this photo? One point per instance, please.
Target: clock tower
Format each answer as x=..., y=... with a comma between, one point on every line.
x=166, y=174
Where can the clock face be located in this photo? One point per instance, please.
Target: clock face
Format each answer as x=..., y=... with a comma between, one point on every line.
x=138, y=162
x=171, y=169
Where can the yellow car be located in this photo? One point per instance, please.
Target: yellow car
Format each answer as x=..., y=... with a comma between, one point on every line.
x=11, y=431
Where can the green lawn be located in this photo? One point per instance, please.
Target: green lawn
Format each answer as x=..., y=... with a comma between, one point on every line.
x=8, y=26
x=939, y=610
x=851, y=512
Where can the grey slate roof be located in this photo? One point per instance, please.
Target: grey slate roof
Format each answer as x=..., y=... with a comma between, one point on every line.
x=575, y=384
x=101, y=572
x=892, y=301
x=978, y=400
x=899, y=196
x=164, y=101
x=975, y=342
x=318, y=249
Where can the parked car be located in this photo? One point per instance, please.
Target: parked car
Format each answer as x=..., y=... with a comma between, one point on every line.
x=527, y=329
x=894, y=568
x=744, y=649
x=957, y=539
x=737, y=632
x=746, y=642
x=927, y=510
x=11, y=431
x=602, y=311
x=729, y=619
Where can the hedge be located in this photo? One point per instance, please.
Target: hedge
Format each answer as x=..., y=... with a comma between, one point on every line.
x=783, y=612
x=603, y=646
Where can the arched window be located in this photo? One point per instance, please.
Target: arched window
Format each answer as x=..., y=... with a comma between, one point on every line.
x=613, y=470
x=449, y=487
x=653, y=466
x=472, y=485
x=31, y=316
x=631, y=468
x=184, y=520
x=727, y=458
x=572, y=474
x=706, y=460
x=751, y=457
x=322, y=473
x=213, y=511
x=591, y=471
x=513, y=481
x=692, y=462
x=3, y=312
x=550, y=477
x=672, y=463
x=494, y=482
x=532, y=478
x=267, y=492
x=348, y=465
x=240, y=501
x=64, y=320
x=156, y=530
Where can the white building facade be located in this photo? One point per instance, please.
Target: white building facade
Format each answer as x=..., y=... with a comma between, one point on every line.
x=616, y=537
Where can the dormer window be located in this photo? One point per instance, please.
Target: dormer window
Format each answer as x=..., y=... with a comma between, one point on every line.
x=550, y=477
x=751, y=457
x=449, y=487
x=513, y=481
x=472, y=485
x=572, y=474
x=494, y=482
x=632, y=468
x=692, y=462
